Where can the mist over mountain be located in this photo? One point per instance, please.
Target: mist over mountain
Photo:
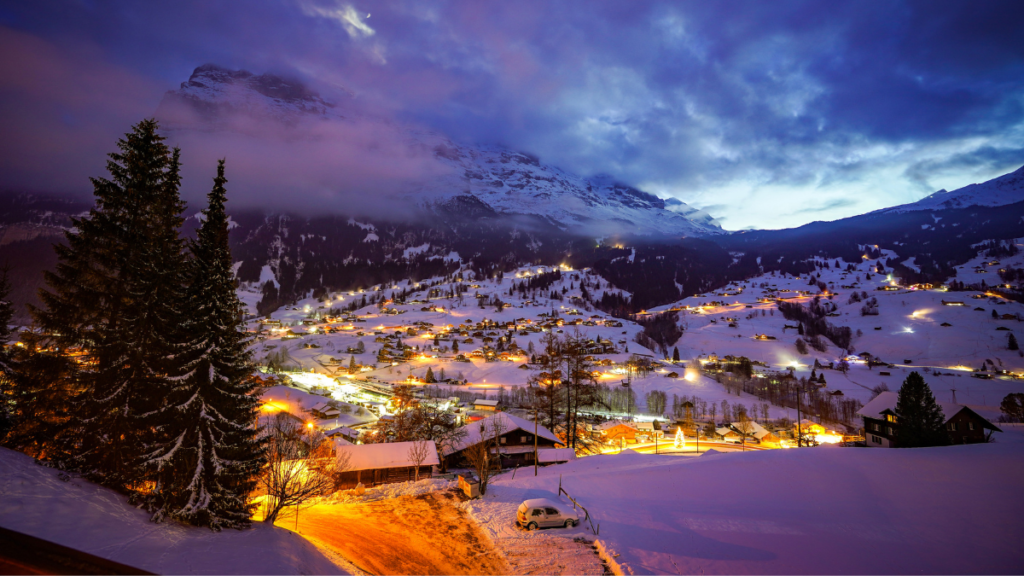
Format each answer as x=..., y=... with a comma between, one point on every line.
x=289, y=149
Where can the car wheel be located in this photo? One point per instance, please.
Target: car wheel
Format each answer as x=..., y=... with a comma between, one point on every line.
x=569, y=523
x=531, y=526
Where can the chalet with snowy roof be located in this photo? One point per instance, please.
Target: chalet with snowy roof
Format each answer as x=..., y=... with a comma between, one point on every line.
x=376, y=464
x=486, y=405
x=727, y=434
x=515, y=438
x=616, y=431
x=647, y=432
x=882, y=423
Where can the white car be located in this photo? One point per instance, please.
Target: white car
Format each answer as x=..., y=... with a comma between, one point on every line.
x=543, y=513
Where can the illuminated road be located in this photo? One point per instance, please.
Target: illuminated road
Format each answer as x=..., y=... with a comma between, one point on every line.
x=424, y=534
x=667, y=448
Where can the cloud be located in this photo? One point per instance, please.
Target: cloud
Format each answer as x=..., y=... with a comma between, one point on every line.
x=61, y=110
x=775, y=112
x=352, y=21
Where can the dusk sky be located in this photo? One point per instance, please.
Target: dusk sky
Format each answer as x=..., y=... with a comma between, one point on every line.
x=766, y=114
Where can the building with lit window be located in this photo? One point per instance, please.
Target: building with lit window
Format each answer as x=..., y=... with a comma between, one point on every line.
x=882, y=423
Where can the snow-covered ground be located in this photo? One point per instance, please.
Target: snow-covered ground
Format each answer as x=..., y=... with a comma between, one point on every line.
x=907, y=332
x=825, y=510
x=87, y=517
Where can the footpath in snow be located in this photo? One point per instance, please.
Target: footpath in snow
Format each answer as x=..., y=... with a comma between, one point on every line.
x=825, y=510
x=87, y=517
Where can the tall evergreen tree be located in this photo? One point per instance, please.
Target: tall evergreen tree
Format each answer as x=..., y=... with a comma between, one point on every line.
x=115, y=297
x=209, y=462
x=6, y=370
x=921, y=422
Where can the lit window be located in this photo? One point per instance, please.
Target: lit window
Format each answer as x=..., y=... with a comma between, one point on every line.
x=970, y=426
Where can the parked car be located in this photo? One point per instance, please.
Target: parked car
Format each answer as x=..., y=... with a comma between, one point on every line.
x=543, y=513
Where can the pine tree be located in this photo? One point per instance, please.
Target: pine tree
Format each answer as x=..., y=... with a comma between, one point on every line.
x=1012, y=343
x=429, y=378
x=115, y=296
x=352, y=364
x=6, y=363
x=920, y=419
x=680, y=441
x=675, y=354
x=209, y=462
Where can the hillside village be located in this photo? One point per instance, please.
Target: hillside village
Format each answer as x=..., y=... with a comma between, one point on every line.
x=475, y=344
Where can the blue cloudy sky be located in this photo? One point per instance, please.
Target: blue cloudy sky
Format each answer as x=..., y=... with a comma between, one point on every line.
x=767, y=114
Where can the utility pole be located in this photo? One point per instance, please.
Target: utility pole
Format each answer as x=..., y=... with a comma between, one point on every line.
x=535, y=418
x=799, y=432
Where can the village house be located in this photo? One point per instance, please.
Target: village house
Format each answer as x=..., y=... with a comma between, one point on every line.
x=647, y=433
x=515, y=440
x=486, y=405
x=616, y=431
x=881, y=423
x=376, y=464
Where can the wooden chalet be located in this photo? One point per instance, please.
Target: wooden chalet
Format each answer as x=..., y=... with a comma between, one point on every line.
x=376, y=464
x=881, y=422
x=515, y=441
x=616, y=431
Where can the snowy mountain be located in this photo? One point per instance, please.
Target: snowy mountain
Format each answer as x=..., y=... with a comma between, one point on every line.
x=212, y=93
x=1006, y=189
x=508, y=182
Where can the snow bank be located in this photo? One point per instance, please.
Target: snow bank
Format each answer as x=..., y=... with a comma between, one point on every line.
x=82, y=515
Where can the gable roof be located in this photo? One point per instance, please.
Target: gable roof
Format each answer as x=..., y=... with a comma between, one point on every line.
x=389, y=455
x=886, y=402
x=613, y=423
x=507, y=423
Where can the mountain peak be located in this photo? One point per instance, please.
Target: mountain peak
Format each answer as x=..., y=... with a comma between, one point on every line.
x=214, y=92
x=999, y=191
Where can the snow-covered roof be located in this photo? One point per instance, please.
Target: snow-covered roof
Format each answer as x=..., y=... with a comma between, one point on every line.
x=485, y=402
x=755, y=428
x=887, y=401
x=874, y=408
x=389, y=455
x=613, y=423
x=556, y=455
x=507, y=423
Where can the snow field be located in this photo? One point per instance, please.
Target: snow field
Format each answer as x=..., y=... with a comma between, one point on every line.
x=819, y=510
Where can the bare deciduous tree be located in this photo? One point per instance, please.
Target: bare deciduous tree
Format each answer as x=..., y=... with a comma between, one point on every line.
x=480, y=456
x=418, y=451
x=300, y=464
x=745, y=427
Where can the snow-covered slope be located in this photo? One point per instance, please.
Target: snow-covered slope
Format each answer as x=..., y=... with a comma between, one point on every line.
x=508, y=181
x=97, y=520
x=1006, y=189
x=826, y=510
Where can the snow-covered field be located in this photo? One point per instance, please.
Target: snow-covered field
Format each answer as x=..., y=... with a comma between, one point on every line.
x=87, y=517
x=825, y=510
